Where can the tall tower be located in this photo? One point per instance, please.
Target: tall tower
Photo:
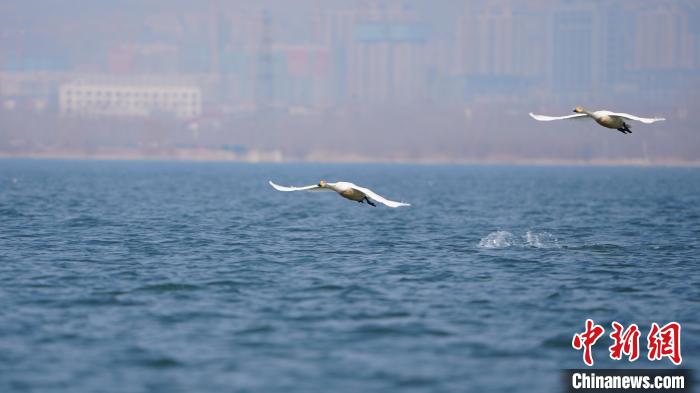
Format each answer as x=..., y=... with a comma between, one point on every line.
x=265, y=94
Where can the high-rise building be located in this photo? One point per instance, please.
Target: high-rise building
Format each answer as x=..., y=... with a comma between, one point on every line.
x=387, y=55
x=575, y=53
x=662, y=40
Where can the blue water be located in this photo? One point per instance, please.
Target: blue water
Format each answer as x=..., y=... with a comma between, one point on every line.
x=199, y=277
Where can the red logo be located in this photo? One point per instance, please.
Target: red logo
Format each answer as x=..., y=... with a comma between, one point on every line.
x=626, y=342
x=665, y=342
x=662, y=342
x=586, y=340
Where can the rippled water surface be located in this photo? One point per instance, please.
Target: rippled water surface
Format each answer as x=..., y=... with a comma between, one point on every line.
x=182, y=277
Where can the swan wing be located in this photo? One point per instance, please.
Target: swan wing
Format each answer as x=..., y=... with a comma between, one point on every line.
x=644, y=120
x=550, y=118
x=378, y=197
x=314, y=187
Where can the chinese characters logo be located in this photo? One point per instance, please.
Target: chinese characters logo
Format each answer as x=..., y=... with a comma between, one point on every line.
x=662, y=342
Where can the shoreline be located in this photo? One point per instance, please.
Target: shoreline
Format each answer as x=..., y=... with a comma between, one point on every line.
x=276, y=158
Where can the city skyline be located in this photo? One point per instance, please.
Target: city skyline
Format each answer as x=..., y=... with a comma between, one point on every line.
x=353, y=64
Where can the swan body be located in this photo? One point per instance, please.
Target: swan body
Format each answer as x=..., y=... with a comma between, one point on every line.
x=605, y=118
x=347, y=190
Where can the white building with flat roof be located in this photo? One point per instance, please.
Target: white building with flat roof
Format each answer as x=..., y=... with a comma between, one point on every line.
x=129, y=100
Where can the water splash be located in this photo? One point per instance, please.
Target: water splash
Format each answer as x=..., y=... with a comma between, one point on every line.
x=498, y=239
x=540, y=240
x=503, y=239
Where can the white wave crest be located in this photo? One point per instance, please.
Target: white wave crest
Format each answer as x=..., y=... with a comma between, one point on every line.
x=498, y=239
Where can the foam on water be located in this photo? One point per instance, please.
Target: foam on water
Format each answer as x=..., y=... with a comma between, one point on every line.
x=498, y=239
x=504, y=239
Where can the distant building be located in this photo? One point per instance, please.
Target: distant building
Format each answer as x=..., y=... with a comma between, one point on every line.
x=663, y=41
x=387, y=56
x=305, y=78
x=127, y=100
x=574, y=57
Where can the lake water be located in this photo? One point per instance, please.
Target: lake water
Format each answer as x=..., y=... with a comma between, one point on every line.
x=199, y=277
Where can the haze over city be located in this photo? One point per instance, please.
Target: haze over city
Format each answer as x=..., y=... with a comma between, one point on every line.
x=386, y=81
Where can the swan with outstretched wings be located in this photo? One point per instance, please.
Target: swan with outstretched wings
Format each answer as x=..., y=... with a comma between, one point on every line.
x=347, y=190
x=606, y=119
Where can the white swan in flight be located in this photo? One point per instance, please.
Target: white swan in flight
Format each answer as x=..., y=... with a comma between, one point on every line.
x=604, y=118
x=346, y=190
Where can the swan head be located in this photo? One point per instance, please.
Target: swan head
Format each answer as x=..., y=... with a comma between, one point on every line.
x=322, y=183
x=578, y=109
